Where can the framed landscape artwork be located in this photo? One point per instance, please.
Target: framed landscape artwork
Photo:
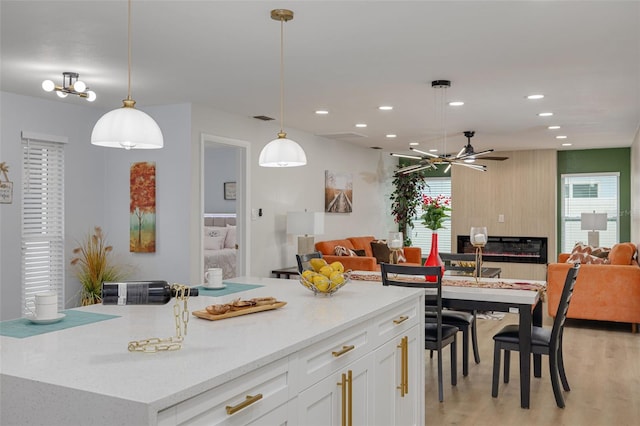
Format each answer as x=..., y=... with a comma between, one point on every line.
x=338, y=192
x=142, y=207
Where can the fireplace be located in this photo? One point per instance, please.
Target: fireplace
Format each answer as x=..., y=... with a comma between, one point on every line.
x=509, y=249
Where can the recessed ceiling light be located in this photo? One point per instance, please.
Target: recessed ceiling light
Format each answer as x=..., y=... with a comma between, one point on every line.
x=413, y=144
x=553, y=127
x=561, y=137
x=545, y=114
x=385, y=108
x=361, y=125
x=535, y=96
x=322, y=112
x=391, y=136
x=566, y=144
x=456, y=103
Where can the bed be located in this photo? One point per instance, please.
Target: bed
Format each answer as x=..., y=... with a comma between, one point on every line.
x=220, y=243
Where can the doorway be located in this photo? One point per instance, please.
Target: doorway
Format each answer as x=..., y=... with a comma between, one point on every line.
x=224, y=177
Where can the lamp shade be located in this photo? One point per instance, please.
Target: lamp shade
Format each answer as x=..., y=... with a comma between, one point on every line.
x=593, y=221
x=305, y=223
x=127, y=128
x=282, y=152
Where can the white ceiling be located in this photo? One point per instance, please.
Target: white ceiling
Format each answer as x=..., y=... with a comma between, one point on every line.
x=350, y=57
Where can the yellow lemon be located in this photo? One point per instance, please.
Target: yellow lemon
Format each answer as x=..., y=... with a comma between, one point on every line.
x=336, y=278
x=337, y=266
x=308, y=274
x=321, y=282
x=326, y=270
x=317, y=263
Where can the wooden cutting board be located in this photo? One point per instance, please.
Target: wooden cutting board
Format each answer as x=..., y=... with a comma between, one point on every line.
x=245, y=311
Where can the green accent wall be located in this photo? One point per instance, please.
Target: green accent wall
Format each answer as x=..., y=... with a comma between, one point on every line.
x=600, y=161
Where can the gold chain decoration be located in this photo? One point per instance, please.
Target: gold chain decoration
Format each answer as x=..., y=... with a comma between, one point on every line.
x=181, y=315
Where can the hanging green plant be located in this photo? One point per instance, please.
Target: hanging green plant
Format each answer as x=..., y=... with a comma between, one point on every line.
x=405, y=200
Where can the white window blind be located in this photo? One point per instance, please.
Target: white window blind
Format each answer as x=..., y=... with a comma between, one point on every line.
x=420, y=234
x=42, y=219
x=586, y=193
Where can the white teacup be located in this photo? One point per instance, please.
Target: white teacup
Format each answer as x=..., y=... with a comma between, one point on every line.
x=46, y=305
x=213, y=277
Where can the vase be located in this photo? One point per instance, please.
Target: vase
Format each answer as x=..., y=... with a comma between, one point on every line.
x=434, y=258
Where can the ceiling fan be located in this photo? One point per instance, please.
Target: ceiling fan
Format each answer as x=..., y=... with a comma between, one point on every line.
x=465, y=157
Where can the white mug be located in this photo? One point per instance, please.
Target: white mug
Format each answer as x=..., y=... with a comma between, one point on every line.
x=213, y=276
x=46, y=305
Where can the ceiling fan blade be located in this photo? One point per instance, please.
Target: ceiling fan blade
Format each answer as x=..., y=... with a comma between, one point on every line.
x=478, y=167
x=413, y=157
x=412, y=168
x=495, y=158
x=423, y=153
x=427, y=166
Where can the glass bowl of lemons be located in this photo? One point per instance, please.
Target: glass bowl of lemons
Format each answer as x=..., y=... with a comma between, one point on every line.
x=324, y=278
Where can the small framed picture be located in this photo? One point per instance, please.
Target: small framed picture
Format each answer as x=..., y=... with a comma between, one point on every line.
x=229, y=190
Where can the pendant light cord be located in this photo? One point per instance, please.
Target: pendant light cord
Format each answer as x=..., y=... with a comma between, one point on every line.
x=129, y=50
x=281, y=75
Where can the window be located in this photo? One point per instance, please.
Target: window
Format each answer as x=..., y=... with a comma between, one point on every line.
x=42, y=218
x=421, y=235
x=586, y=193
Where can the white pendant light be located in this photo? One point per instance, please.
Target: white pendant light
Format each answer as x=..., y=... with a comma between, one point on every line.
x=282, y=152
x=127, y=127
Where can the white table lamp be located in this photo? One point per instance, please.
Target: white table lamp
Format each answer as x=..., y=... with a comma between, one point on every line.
x=593, y=222
x=305, y=225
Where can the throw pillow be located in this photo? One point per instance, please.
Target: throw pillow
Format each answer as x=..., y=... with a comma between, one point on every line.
x=362, y=252
x=343, y=251
x=230, y=240
x=579, y=253
x=595, y=260
x=214, y=237
x=601, y=252
x=380, y=251
x=622, y=253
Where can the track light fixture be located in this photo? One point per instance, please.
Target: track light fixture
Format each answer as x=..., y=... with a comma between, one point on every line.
x=70, y=86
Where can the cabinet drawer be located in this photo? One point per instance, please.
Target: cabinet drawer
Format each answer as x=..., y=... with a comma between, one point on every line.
x=325, y=357
x=209, y=408
x=396, y=320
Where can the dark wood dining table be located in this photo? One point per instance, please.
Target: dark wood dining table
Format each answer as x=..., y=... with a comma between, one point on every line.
x=522, y=297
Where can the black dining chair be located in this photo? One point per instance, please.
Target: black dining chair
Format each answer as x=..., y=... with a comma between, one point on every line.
x=466, y=321
x=303, y=260
x=437, y=334
x=544, y=341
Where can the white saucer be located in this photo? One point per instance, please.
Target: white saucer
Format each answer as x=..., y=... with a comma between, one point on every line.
x=57, y=318
x=215, y=288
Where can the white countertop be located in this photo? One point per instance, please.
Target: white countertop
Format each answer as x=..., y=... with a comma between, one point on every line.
x=94, y=357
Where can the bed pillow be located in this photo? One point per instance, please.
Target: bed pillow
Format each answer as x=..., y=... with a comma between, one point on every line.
x=230, y=240
x=214, y=237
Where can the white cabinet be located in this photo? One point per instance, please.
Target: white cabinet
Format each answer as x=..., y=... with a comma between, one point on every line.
x=397, y=380
x=343, y=398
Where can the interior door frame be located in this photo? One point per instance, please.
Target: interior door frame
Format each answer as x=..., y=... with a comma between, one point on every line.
x=242, y=197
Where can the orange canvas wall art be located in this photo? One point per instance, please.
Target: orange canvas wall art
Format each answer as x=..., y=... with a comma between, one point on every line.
x=142, y=207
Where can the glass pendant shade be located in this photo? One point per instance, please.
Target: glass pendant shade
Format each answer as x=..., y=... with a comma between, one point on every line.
x=127, y=128
x=282, y=152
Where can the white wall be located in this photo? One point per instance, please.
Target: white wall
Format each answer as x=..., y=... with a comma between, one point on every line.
x=635, y=189
x=277, y=191
x=220, y=166
x=97, y=189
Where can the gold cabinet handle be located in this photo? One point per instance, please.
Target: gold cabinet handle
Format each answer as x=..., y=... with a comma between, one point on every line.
x=343, y=385
x=247, y=402
x=350, y=391
x=343, y=351
x=400, y=320
x=404, y=366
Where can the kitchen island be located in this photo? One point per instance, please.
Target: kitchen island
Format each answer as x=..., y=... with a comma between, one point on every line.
x=358, y=354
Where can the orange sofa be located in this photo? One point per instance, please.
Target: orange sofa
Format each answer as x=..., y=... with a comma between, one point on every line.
x=609, y=292
x=361, y=263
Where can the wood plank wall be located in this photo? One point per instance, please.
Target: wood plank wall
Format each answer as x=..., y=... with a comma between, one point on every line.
x=523, y=189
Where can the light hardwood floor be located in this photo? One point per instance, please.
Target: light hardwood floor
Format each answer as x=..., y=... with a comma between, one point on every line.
x=602, y=361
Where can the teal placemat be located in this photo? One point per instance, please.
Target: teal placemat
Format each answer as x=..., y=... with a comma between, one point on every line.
x=22, y=327
x=229, y=289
